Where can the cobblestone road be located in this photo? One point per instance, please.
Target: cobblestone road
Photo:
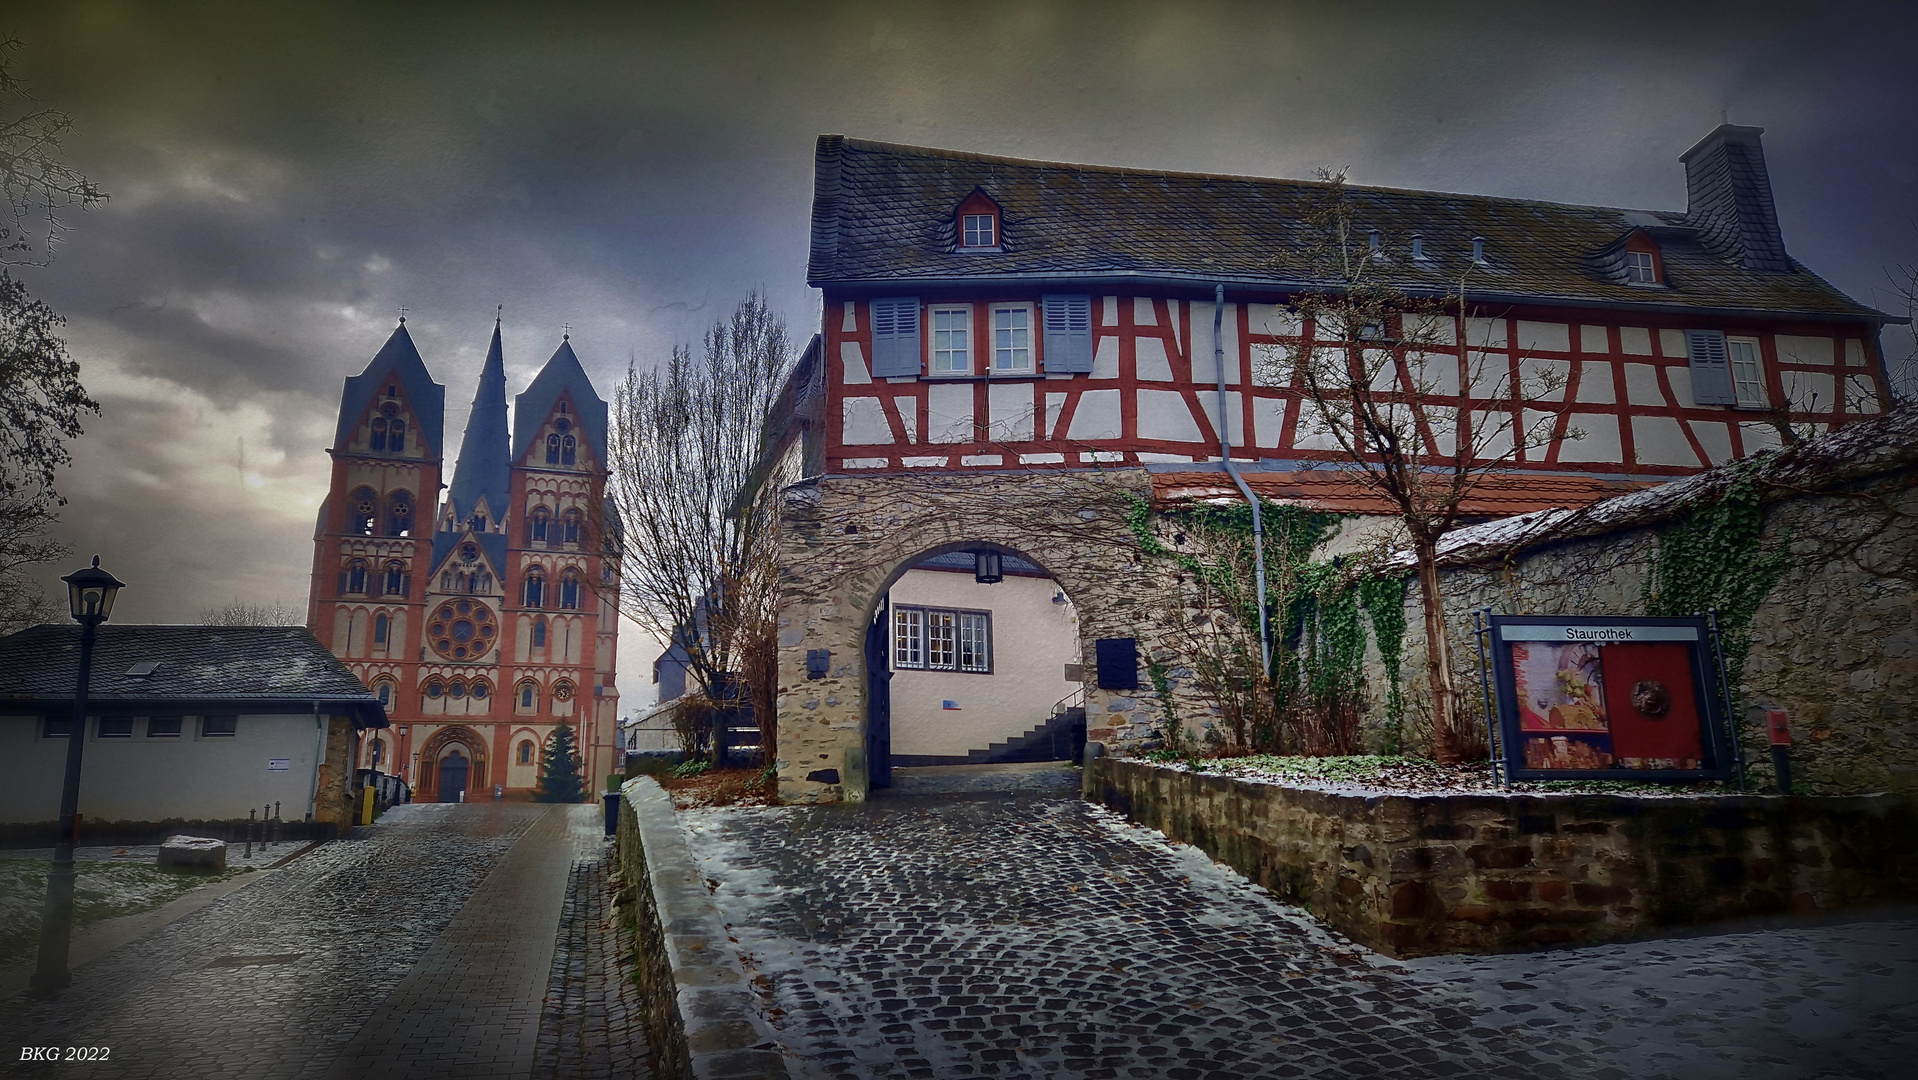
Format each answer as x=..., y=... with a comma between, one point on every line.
x=1029, y=935
x=361, y=958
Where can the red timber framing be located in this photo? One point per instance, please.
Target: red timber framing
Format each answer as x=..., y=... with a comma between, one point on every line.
x=1152, y=394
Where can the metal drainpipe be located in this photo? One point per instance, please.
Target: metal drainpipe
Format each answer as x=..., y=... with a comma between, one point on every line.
x=1225, y=455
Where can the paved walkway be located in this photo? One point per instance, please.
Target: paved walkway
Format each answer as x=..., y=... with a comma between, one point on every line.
x=424, y=947
x=947, y=930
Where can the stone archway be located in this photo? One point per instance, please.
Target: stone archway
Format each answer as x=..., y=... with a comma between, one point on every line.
x=437, y=747
x=847, y=539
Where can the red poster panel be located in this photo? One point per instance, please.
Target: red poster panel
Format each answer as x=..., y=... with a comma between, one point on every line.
x=1651, y=704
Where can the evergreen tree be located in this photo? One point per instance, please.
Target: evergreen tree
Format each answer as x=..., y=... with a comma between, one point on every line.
x=559, y=780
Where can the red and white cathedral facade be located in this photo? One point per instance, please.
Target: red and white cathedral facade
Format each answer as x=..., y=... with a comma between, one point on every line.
x=484, y=617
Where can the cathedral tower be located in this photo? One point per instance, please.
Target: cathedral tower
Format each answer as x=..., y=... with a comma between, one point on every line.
x=508, y=627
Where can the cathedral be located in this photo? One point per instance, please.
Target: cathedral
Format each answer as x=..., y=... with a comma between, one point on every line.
x=487, y=617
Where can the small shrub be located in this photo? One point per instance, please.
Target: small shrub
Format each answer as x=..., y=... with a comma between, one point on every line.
x=686, y=769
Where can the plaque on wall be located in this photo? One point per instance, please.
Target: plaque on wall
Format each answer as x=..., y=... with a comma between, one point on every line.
x=1610, y=698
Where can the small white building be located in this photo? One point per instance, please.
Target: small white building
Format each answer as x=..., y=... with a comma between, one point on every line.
x=980, y=670
x=184, y=722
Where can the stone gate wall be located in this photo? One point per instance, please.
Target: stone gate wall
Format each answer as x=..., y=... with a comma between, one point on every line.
x=846, y=539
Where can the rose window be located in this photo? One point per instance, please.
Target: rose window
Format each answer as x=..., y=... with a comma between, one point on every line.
x=462, y=630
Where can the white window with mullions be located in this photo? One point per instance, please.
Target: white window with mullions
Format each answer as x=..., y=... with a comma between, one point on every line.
x=951, y=344
x=1748, y=380
x=980, y=231
x=942, y=639
x=1012, y=339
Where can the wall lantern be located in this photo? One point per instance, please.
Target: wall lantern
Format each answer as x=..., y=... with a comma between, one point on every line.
x=987, y=568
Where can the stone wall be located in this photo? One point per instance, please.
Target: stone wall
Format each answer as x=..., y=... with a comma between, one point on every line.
x=1419, y=875
x=333, y=793
x=701, y=1018
x=846, y=539
x=1835, y=642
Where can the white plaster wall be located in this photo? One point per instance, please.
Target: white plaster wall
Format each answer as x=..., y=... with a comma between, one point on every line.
x=1096, y=417
x=949, y=413
x=145, y=779
x=1033, y=639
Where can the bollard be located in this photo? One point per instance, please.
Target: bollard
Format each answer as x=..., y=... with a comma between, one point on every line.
x=1778, y=726
x=249, y=832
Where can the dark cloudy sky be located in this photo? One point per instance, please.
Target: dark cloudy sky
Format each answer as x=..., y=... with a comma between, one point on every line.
x=284, y=177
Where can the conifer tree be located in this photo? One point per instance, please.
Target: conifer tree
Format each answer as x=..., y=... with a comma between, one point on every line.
x=559, y=780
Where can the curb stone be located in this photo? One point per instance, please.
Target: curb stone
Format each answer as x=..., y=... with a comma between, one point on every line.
x=720, y=1033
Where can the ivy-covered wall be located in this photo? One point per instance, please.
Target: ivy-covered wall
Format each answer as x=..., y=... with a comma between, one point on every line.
x=1824, y=589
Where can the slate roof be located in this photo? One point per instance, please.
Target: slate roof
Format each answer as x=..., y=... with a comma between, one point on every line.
x=402, y=359
x=562, y=373
x=481, y=470
x=259, y=664
x=882, y=217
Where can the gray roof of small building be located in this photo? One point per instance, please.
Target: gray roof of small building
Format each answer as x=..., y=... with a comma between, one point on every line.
x=883, y=217
x=258, y=664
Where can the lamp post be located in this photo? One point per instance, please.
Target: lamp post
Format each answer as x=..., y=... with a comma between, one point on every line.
x=90, y=594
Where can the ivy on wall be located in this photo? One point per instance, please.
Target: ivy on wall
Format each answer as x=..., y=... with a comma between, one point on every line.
x=1716, y=559
x=1315, y=691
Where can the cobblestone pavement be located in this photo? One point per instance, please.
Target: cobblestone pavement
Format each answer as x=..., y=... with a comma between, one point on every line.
x=968, y=934
x=590, y=1027
x=277, y=979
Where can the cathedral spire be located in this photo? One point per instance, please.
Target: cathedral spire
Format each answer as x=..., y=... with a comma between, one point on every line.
x=480, y=474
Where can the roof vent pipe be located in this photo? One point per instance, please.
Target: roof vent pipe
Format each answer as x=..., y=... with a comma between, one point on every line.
x=1478, y=250
x=1225, y=455
x=1377, y=245
x=1418, y=246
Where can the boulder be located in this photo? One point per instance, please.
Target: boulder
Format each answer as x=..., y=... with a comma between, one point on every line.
x=198, y=853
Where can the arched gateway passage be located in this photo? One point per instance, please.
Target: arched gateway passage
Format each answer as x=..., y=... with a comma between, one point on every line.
x=452, y=762
x=972, y=657
x=848, y=540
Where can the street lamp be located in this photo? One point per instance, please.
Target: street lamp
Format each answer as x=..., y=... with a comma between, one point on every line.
x=90, y=594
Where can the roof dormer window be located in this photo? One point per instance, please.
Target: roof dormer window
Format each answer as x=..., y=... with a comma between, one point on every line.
x=977, y=222
x=1639, y=266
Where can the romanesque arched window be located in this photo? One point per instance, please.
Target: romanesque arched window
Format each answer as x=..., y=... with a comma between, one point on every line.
x=552, y=449
x=399, y=513
x=569, y=590
x=396, y=436
x=539, y=525
x=395, y=584
x=356, y=577
x=568, y=450
x=377, y=440
x=539, y=632
x=528, y=695
x=535, y=588
x=456, y=689
x=435, y=688
x=481, y=688
x=385, y=691
x=526, y=751
x=571, y=524
x=381, y=625
x=362, y=510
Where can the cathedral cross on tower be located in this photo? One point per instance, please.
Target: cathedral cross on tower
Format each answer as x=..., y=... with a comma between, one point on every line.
x=565, y=331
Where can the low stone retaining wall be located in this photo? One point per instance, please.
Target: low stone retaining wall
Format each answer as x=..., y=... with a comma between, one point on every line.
x=700, y=1015
x=1419, y=875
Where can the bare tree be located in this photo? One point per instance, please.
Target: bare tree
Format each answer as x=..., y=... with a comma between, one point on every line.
x=697, y=529
x=41, y=399
x=241, y=613
x=1420, y=413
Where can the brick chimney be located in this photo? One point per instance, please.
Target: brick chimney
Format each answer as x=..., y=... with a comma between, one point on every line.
x=1728, y=199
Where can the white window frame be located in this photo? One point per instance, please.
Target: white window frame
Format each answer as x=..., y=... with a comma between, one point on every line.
x=1645, y=273
x=941, y=639
x=1009, y=356
x=970, y=237
x=1748, y=388
x=946, y=359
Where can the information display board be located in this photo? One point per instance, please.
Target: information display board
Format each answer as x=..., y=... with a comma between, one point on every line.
x=1608, y=698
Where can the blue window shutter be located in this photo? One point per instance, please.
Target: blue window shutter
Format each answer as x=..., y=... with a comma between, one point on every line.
x=1711, y=370
x=1118, y=663
x=895, y=336
x=1068, y=333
